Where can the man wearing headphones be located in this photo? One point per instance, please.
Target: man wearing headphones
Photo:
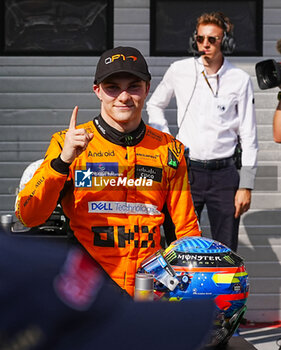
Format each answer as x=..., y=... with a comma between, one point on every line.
x=215, y=108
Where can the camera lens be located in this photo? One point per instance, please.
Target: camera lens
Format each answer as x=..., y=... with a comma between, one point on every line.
x=270, y=74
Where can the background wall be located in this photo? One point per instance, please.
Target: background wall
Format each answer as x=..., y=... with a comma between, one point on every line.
x=37, y=95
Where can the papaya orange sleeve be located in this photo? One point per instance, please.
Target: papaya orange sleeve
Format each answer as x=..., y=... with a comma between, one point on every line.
x=36, y=202
x=180, y=204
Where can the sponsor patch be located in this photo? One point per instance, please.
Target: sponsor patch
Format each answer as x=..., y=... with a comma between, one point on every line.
x=198, y=257
x=109, y=153
x=122, y=208
x=128, y=139
x=237, y=288
x=176, y=147
x=150, y=172
x=147, y=156
x=172, y=160
x=38, y=183
x=121, y=181
x=83, y=178
x=154, y=135
x=119, y=56
x=103, y=168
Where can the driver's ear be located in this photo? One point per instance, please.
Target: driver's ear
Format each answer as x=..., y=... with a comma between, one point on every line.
x=147, y=87
x=96, y=89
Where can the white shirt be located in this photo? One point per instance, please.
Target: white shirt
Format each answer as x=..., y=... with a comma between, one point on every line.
x=209, y=120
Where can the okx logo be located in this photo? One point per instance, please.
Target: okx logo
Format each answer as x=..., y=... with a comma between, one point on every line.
x=83, y=178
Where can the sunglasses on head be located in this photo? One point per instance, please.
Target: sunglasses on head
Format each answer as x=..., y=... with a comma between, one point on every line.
x=211, y=39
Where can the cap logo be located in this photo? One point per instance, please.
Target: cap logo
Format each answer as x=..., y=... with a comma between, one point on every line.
x=113, y=58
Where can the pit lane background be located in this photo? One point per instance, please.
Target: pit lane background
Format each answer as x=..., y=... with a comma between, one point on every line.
x=37, y=95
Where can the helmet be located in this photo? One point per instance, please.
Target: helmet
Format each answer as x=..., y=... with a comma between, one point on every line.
x=202, y=268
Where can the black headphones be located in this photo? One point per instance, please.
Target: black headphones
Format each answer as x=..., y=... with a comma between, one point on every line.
x=227, y=44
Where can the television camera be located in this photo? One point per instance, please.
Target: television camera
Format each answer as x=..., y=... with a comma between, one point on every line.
x=268, y=74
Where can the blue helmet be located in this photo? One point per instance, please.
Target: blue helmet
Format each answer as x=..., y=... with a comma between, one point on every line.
x=201, y=268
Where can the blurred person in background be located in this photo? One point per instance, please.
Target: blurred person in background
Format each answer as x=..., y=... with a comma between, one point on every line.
x=215, y=109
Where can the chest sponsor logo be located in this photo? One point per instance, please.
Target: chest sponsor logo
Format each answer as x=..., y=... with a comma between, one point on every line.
x=121, y=181
x=103, y=168
x=109, y=153
x=83, y=178
x=148, y=156
x=144, y=171
x=123, y=208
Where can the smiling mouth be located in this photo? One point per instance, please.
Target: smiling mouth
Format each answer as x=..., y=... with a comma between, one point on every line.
x=124, y=107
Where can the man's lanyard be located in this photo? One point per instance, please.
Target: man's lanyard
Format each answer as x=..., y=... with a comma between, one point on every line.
x=207, y=81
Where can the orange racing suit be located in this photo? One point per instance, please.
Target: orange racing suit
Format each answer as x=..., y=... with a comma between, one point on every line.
x=113, y=194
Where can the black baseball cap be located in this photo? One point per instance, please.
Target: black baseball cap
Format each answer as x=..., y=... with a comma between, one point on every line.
x=121, y=59
x=53, y=297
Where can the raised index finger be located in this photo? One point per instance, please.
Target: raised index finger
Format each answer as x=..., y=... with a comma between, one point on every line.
x=73, y=119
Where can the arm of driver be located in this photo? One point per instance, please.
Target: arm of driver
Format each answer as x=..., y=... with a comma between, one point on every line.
x=180, y=204
x=37, y=200
x=41, y=193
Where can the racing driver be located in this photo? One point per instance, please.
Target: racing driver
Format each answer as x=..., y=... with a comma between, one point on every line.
x=114, y=174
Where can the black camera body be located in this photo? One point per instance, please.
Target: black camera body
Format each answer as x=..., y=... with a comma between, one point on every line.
x=268, y=74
